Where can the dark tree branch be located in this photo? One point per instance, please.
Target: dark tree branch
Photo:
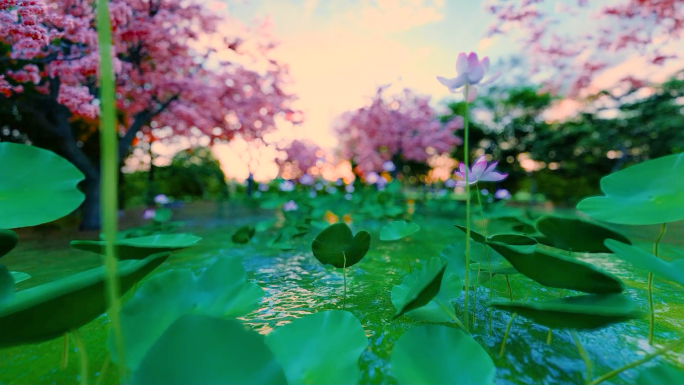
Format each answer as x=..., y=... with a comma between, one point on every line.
x=141, y=119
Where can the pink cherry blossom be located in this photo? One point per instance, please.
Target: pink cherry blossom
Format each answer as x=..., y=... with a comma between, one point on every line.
x=301, y=154
x=471, y=72
x=480, y=172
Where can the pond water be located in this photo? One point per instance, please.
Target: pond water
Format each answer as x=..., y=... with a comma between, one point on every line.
x=296, y=284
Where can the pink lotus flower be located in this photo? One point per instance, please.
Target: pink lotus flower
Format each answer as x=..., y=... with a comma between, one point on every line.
x=480, y=172
x=290, y=206
x=148, y=214
x=470, y=72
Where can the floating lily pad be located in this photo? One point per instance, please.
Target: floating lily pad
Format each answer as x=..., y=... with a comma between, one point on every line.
x=576, y=234
x=19, y=276
x=648, y=193
x=450, y=289
x=36, y=186
x=6, y=286
x=140, y=248
x=243, y=235
x=336, y=243
x=203, y=350
x=221, y=290
x=424, y=287
x=663, y=374
x=673, y=271
x=8, y=241
x=438, y=355
x=554, y=270
x=587, y=312
x=396, y=230
x=320, y=348
x=524, y=242
x=50, y=310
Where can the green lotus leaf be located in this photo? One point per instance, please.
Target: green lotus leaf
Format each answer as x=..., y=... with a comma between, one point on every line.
x=19, y=276
x=243, y=235
x=221, y=290
x=455, y=254
x=36, y=186
x=424, y=288
x=505, y=269
x=523, y=242
x=140, y=248
x=264, y=225
x=648, y=193
x=396, y=230
x=673, y=271
x=450, y=289
x=438, y=355
x=554, y=270
x=202, y=350
x=586, y=312
x=8, y=241
x=576, y=234
x=162, y=215
x=6, y=286
x=48, y=311
x=663, y=374
x=336, y=243
x=320, y=348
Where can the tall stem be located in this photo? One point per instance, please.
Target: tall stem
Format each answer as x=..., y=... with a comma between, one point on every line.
x=82, y=355
x=452, y=315
x=110, y=174
x=583, y=353
x=508, y=286
x=651, y=316
x=407, y=259
x=549, y=336
x=485, y=249
x=636, y=363
x=65, y=351
x=344, y=276
x=467, y=190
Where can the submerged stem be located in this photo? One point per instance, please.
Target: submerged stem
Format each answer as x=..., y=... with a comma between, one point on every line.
x=344, y=276
x=452, y=315
x=103, y=370
x=82, y=356
x=636, y=363
x=65, y=351
x=510, y=323
x=583, y=353
x=407, y=260
x=508, y=286
x=467, y=190
x=651, y=315
x=549, y=336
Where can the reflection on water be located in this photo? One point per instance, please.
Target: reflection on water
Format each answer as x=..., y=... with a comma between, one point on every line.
x=296, y=284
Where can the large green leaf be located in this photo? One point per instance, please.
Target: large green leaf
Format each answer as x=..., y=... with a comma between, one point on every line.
x=140, y=248
x=203, y=350
x=424, y=287
x=483, y=254
x=19, y=276
x=6, y=286
x=648, y=193
x=663, y=374
x=50, y=310
x=450, y=289
x=673, y=271
x=36, y=186
x=554, y=270
x=221, y=290
x=336, y=243
x=586, y=312
x=522, y=241
x=576, y=234
x=320, y=348
x=396, y=230
x=440, y=355
x=8, y=240
x=243, y=235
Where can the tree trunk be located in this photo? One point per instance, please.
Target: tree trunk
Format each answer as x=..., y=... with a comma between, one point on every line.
x=90, y=210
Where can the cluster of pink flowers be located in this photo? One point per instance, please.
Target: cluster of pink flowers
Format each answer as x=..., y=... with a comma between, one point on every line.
x=301, y=154
x=160, y=60
x=404, y=126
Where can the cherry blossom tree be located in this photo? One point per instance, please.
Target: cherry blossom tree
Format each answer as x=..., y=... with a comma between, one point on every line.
x=609, y=31
x=403, y=128
x=167, y=76
x=300, y=156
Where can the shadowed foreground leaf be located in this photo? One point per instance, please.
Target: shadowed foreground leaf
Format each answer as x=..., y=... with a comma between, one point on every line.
x=8, y=241
x=673, y=271
x=576, y=234
x=336, y=242
x=320, y=348
x=587, y=312
x=425, y=286
x=440, y=355
x=243, y=235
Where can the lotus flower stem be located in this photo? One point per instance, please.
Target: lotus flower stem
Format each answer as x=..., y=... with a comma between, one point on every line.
x=103, y=370
x=583, y=353
x=508, y=286
x=510, y=323
x=82, y=355
x=651, y=316
x=109, y=163
x=485, y=250
x=407, y=260
x=65, y=351
x=648, y=357
x=344, y=277
x=467, y=190
x=452, y=315
x=549, y=336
